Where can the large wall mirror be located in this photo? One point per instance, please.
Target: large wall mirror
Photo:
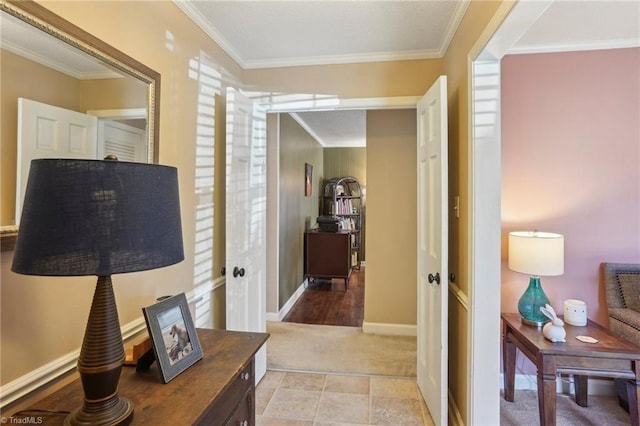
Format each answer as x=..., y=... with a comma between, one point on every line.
x=49, y=63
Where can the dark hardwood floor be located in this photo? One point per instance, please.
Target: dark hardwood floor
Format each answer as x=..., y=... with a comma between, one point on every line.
x=325, y=302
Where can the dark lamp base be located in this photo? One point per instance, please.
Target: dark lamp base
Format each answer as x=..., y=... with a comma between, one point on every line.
x=104, y=414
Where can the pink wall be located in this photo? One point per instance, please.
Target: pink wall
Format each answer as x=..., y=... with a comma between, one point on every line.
x=571, y=165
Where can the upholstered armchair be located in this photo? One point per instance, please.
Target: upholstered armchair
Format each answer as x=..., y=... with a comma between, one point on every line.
x=622, y=286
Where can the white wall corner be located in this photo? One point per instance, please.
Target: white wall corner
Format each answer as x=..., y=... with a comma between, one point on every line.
x=389, y=329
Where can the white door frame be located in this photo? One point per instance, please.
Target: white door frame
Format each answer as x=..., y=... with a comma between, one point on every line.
x=509, y=23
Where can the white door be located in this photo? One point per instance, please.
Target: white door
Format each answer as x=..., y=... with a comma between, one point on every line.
x=246, y=218
x=433, y=249
x=46, y=131
x=128, y=143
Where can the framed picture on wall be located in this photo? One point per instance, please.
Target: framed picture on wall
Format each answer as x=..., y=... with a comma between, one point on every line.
x=173, y=336
x=308, y=176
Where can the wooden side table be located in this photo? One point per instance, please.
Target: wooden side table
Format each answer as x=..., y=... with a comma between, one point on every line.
x=217, y=390
x=610, y=357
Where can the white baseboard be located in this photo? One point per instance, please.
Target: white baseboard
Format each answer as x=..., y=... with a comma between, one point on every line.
x=596, y=387
x=389, y=329
x=278, y=316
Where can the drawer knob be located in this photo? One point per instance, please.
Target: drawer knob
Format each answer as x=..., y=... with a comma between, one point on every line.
x=244, y=376
x=244, y=423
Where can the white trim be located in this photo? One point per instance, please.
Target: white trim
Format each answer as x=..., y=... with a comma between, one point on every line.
x=341, y=59
x=119, y=114
x=457, y=292
x=395, y=102
x=278, y=316
x=272, y=288
x=306, y=127
x=564, y=386
x=389, y=329
x=624, y=43
x=454, y=23
x=508, y=24
x=48, y=62
x=218, y=282
x=197, y=17
x=279, y=102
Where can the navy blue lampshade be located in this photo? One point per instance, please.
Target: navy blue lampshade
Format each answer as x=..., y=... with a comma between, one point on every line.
x=92, y=217
x=98, y=217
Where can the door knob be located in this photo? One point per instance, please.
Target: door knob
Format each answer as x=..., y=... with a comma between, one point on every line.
x=435, y=278
x=238, y=272
x=223, y=271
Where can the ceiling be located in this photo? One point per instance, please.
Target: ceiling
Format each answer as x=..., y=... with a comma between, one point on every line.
x=259, y=34
x=282, y=33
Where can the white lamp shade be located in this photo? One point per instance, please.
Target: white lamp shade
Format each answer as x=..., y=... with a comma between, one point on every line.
x=536, y=253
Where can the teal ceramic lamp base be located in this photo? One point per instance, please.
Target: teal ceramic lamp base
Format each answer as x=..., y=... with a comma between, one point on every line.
x=530, y=303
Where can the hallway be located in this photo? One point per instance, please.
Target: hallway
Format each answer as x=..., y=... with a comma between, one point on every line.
x=325, y=302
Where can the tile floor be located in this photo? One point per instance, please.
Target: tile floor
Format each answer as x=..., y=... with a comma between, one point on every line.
x=311, y=399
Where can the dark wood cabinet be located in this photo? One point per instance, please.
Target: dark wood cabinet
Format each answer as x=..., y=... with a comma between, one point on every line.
x=328, y=255
x=217, y=390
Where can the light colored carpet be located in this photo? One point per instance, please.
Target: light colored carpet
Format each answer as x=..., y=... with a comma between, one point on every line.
x=602, y=410
x=335, y=349
x=347, y=350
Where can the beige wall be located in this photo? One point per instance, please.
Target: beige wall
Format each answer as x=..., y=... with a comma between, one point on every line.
x=43, y=319
x=297, y=212
x=159, y=35
x=390, y=296
x=372, y=79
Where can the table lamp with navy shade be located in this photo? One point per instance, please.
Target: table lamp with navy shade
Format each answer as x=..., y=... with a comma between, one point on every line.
x=537, y=254
x=99, y=217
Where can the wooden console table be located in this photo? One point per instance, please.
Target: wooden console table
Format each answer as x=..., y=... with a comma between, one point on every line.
x=610, y=357
x=217, y=390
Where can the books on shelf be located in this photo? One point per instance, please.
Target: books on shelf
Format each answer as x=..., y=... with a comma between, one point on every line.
x=343, y=206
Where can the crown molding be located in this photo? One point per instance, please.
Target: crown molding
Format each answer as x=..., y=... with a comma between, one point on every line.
x=575, y=47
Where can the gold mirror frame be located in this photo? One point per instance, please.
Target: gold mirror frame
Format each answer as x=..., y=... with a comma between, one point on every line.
x=38, y=16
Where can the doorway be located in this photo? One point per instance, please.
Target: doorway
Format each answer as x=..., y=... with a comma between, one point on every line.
x=390, y=189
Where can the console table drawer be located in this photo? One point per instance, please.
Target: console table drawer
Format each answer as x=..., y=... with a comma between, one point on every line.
x=244, y=415
x=232, y=399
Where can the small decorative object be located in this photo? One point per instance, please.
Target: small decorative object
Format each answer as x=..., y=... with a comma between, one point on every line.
x=308, y=182
x=587, y=339
x=94, y=217
x=535, y=253
x=553, y=330
x=175, y=341
x=575, y=312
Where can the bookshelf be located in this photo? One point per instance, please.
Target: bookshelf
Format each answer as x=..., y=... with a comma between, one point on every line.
x=342, y=197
